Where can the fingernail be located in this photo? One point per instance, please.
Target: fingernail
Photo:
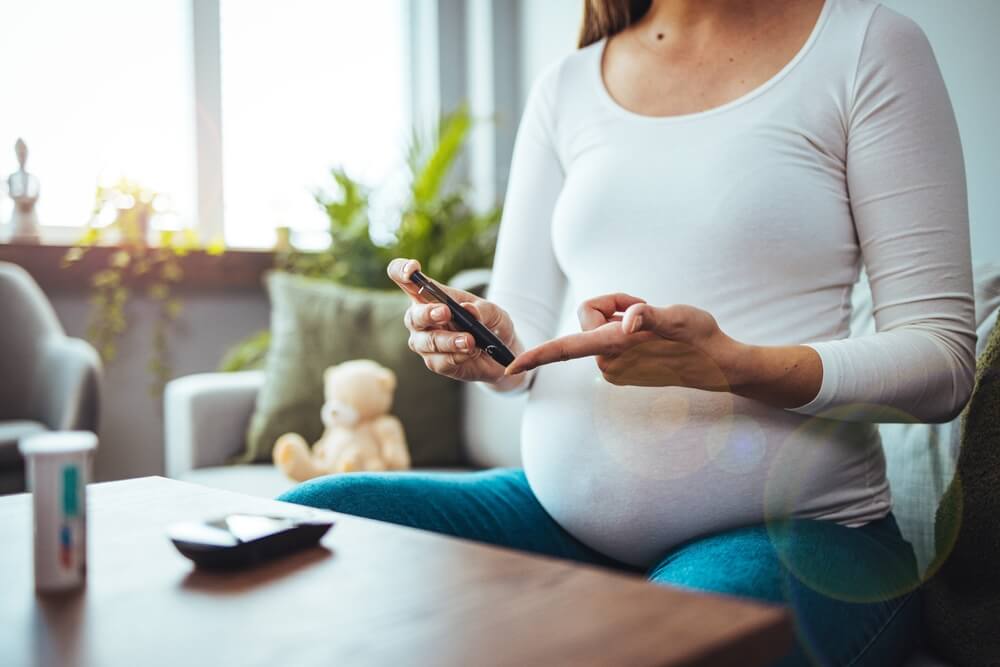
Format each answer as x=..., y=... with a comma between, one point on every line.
x=409, y=268
x=462, y=344
x=439, y=313
x=636, y=323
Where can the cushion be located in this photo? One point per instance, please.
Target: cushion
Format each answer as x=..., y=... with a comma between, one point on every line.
x=316, y=324
x=256, y=479
x=28, y=319
x=492, y=426
x=962, y=598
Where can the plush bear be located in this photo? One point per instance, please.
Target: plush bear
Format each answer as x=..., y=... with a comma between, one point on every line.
x=360, y=435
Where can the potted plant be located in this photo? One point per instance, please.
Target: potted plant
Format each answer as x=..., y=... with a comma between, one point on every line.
x=436, y=225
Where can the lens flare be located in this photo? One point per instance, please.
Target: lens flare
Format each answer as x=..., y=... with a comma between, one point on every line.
x=736, y=444
x=656, y=432
x=814, y=551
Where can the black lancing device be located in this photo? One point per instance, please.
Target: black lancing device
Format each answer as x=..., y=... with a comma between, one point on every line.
x=486, y=340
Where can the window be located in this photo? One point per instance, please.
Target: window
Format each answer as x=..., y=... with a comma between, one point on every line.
x=105, y=89
x=306, y=85
x=97, y=90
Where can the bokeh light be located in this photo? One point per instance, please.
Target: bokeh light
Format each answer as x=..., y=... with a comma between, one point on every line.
x=810, y=549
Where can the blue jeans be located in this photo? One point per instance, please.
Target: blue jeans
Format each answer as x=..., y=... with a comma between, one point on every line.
x=852, y=590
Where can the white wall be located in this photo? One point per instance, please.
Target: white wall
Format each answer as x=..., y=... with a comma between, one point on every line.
x=548, y=30
x=964, y=36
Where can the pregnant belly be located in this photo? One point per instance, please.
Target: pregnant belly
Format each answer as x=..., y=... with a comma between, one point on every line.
x=634, y=471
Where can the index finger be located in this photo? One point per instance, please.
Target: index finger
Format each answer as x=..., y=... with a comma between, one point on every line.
x=401, y=269
x=601, y=340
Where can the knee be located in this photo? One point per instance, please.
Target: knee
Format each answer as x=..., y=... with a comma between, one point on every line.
x=741, y=563
x=758, y=583
x=347, y=493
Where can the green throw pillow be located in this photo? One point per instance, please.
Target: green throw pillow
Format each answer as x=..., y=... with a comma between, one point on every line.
x=316, y=324
x=961, y=601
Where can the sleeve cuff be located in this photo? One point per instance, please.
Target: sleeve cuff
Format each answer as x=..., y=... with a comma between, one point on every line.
x=831, y=380
x=524, y=387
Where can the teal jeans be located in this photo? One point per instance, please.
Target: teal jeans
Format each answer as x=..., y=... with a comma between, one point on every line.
x=852, y=591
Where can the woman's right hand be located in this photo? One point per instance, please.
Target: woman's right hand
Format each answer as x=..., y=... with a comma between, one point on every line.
x=446, y=349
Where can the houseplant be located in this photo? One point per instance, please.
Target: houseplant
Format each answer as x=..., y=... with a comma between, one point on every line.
x=140, y=258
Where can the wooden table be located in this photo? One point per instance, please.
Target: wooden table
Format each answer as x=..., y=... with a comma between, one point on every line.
x=375, y=594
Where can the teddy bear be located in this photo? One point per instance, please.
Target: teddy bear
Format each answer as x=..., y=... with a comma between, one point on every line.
x=360, y=434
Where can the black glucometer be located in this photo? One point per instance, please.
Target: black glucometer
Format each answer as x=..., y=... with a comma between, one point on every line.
x=241, y=540
x=486, y=340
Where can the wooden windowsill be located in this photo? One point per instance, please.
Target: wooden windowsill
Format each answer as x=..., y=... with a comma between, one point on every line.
x=234, y=269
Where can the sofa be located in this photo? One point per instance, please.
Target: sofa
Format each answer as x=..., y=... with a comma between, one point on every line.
x=206, y=417
x=50, y=380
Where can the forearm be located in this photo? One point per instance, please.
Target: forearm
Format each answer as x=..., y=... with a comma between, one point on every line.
x=914, y=373
x=919, y=380
x=782, y=376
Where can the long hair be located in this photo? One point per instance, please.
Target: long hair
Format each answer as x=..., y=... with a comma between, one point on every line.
x=604, y=18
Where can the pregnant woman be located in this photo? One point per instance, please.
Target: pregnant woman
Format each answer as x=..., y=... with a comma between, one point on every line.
x=704, y=180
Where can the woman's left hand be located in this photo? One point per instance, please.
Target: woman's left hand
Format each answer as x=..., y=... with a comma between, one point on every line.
x=643, y=345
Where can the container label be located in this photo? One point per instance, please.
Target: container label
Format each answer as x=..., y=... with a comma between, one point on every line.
x=71, y=479
x=71, y=510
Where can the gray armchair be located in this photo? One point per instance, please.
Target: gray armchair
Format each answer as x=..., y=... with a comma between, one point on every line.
x=48, y=381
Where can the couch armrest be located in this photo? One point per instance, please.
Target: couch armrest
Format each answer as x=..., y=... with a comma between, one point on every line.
x=70, y=384
x=471, y=280
x=205, y=418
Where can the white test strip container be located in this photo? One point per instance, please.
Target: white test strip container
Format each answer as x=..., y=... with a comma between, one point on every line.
x=58, y=471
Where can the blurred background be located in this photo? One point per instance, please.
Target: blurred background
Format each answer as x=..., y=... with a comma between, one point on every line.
x=212, y=127
x=237, y=108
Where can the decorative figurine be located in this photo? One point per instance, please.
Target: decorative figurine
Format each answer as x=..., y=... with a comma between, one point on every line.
x=23, y=188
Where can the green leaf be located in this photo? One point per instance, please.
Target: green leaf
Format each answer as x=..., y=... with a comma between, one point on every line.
x=173, y=308
x=248, y=354
x=437, y=224
x=120, y=259
x=429, y=178
x=158, y=291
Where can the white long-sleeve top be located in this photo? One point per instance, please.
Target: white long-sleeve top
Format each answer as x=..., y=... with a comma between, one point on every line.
x=762, y=212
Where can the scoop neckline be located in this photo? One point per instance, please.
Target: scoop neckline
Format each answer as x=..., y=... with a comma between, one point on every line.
x=606, y=96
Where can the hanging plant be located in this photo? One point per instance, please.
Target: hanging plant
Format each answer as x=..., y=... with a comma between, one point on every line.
x=142, y=259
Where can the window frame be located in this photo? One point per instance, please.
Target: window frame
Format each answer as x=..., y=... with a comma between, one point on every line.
x=459, y=51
